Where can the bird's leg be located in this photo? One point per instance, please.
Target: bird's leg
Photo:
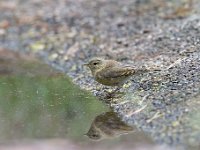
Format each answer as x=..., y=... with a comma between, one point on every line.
x=117, y=89
x=114, y=93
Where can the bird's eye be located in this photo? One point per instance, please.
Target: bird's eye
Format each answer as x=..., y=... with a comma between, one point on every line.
x=94, y=135
x=95, y=63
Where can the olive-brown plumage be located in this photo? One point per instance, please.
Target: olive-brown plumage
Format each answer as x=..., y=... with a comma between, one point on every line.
x=111, y=72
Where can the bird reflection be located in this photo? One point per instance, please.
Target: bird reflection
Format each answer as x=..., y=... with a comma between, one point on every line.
x=107, y=125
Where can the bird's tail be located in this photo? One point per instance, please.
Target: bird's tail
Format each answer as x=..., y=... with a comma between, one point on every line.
x=146, y=70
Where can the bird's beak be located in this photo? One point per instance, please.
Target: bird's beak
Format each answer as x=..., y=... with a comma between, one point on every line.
x=85, y=134
x=86, y=64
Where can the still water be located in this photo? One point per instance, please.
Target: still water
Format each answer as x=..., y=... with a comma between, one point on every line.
x=42, y=107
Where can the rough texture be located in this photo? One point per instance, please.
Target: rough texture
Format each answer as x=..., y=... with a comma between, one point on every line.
x=154, y=33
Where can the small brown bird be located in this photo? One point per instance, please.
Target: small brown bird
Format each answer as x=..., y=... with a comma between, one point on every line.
x=111, y=72
x=108, y=125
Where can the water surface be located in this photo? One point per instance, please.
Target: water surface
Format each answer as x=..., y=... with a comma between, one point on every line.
x=39, y=105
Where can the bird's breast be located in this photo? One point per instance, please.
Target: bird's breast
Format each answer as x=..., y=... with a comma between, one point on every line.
x=108, y=81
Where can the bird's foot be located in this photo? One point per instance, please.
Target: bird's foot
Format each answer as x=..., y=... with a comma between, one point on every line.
x=114, y=93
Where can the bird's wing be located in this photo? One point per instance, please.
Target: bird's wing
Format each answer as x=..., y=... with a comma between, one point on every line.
x=124, y=71
x=117, y=72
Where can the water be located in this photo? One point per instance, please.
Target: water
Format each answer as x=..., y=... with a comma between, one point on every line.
x=42, y=107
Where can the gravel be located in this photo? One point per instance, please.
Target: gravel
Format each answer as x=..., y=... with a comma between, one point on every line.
x=153, y=33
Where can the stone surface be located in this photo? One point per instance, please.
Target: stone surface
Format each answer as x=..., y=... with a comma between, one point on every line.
x=154, y=33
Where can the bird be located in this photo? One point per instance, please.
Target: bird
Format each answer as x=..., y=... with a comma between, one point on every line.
x=108, y=125
x=111, y=72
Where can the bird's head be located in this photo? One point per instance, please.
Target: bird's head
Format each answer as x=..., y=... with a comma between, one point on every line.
x=96, y=64
x=94, y=133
